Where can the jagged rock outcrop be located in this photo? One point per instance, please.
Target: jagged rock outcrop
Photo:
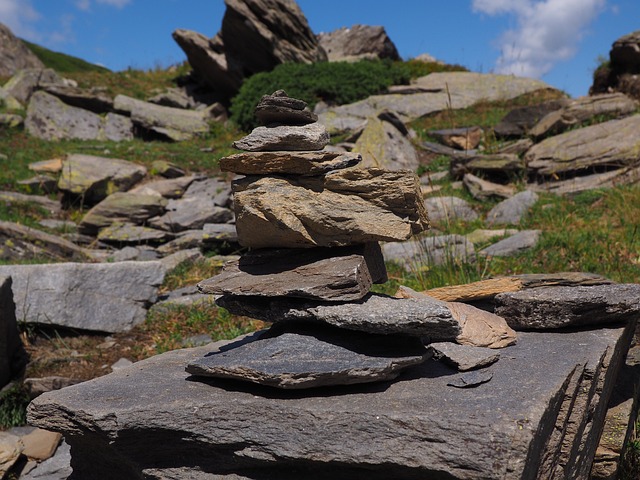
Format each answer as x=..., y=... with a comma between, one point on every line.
x=256, y=35
x=357, y=43
x=620, y=74
x=14, y=54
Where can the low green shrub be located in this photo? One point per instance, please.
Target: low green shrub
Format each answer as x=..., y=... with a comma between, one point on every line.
x=335, y=83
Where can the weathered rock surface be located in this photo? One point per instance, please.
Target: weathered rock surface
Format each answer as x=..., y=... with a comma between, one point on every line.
x=343, y=208
x=92, y=99
x=312, y=136
x=483, y=189
x=15, y=55
x=10, y=449
x=18, y=242
x=500, y=165
x=122, y=207
x=190, y=213
x=558, y=307
x=375, y=313
x=440, y=91
x=426, y=251
x=459, y=138
x=449, y=209
x=210, y=234
x=167, y=188
x=13, y=358
x=512, y=210
x=519, y=121
x=106, y=297
x=256, y=36
x=287, y=162
x=582, y=109
x=357, y=43
x=462, y=357
x=482, y=235
x=57, y=467
x=10, y=120
x=173, y=123
x=575, y=185
x=308, y=356
x=130, y=234
x=422, y=428
x=25, y=82
x=607, y=144
x=513, y=245
x=279, y=108
x=40, y=184
x=333, y=274
x=9, y=197
x=383, y=145
x=51, y=119
x=93, y=178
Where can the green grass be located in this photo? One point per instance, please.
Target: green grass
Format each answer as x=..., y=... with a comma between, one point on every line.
x=62, y=62
x=13, y=406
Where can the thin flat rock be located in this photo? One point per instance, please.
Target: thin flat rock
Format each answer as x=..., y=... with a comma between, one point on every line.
x=286, y=162
x=470, y=380
x=464, y=357
x=376, y=313
x=335, y=274
x=558, y=307
x=285, y=137
x=312, y=357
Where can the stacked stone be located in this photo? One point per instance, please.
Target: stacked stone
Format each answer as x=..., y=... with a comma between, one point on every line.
x=313, y=225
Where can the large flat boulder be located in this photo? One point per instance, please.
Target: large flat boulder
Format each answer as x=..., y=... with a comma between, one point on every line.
x=51, y=119
x=93, y=178
x=332, y=274
x=608, y=144
x=343, y=208
x=539, y=417
x=437, y=92
x=19, y=242
x=105, y=297
x=92, y=99
x=14, y=54
x=575, y=185
x=13, y=358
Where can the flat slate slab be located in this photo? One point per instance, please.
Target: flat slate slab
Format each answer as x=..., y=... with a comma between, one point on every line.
x=152, y=420
x=306, y=356
x=464, y=357
x=287, y=162
x=333, y=274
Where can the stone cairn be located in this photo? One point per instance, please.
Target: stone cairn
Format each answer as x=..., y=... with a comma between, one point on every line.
x=313, y=223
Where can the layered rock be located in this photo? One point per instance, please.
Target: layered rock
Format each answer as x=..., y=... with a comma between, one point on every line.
x=15, y=55
x=357, y=43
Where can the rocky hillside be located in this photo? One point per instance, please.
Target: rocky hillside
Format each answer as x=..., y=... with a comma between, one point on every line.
x=119, y=194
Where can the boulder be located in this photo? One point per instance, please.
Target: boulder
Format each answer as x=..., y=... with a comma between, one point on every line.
x=51, y=206
x=166, y=169
x=449, y=209
x=13, y=358
x=312, y=136
x=129, y=234
x=105, y=297
x=212, y=235
x=437, y=92
x=342, y=208
x=175, y=98
x=167, y=188
x=459, y=138
x=10, y=120
x=463, y=357
x=19, y=242
x=424, y=252
x=511, y=427
x=51, y=119
x=375, y=313
x=383, y=145
x=332, y=274
x=40, y=184
x=289, y=163
x=520, y=120
x=256, y=36
x=8, y=101
x=512, y=245
x=93, y=178
x=583, y=109
x=497, y=165
x=308, y=356
x=10, y=449
x=122, y=207
x=569, y=306
x=482, y=235
x=25, y=83
x=14, y=54
x=92, y=99
x=172, y=123
x=573, y=186
x=483, y=189
x=189, y=213
x=512, y=210
x=357, y=43
x=607, y=144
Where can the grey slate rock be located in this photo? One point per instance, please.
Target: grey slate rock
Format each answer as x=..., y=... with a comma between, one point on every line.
x=449, y=209
x=19, y=242
x=520, y=120
x=426, y=251
x=40, y=184
x=279, y=108
x=412, y=428
x=93, y=99
x=129, y=234
x=496, y=165
x=471, y=379
x=189, y=214
x=25, y=82
x=312, y=136
x=464, y=357
x=57, y=467
x=331, y=274
x=167, y=188
x=512, y=245
x=292, y=163
x=512, y=210
x=105, y=297
x=577, y=306
x=13, y=358
x=211, y=235
x=375, y=313
x=307, y=356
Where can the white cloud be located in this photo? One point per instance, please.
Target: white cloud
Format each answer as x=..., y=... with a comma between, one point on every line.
x=547, y=32
x=84, y=5
x=114, y=3
x=18, y=16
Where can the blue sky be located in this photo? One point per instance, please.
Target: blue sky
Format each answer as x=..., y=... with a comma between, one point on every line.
x=558, y=41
